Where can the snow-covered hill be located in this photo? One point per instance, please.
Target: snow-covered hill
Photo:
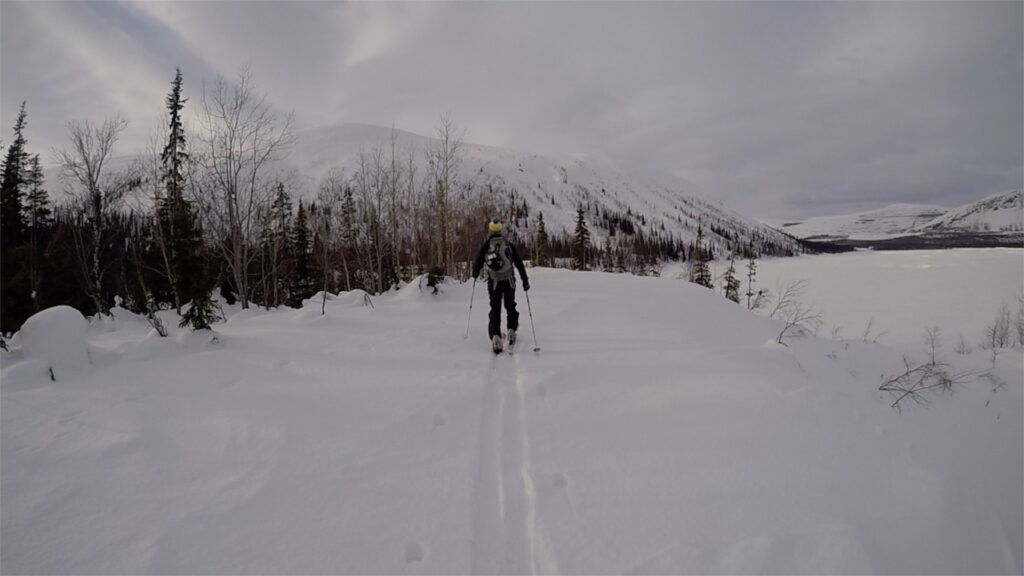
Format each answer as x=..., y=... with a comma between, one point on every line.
x=554, y=185
x=997, y=213
x=658, y=431
x=889, y=222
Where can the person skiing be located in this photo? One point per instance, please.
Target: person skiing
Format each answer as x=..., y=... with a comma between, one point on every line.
x=500, y=259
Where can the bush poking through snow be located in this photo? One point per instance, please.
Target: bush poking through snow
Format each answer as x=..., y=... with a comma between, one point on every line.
x=920, y=380
x=934, y=376
x=800, y=319
x=870, y=334
x=997, y=334
x=963, y=347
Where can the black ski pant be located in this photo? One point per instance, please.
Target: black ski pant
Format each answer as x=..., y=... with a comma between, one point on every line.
x=497, y=292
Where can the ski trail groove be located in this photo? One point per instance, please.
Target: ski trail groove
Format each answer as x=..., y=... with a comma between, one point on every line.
x=487, y=494
x=506, y=539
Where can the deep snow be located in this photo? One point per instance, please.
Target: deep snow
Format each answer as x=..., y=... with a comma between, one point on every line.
x=659, y=430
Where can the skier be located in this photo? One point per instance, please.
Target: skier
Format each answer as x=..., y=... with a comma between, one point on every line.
x=498, y=256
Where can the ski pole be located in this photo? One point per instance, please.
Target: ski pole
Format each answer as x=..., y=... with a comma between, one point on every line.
x=470, y=316
x=536, y=348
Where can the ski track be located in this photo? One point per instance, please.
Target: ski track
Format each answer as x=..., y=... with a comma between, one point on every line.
x=507, y=539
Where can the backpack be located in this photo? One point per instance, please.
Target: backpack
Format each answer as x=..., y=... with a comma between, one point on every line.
x=498, y=259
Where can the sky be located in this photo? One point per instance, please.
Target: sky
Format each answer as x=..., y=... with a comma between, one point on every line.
x=781, y=110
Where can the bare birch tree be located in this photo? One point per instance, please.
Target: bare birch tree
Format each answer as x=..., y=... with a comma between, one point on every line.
x=94, y=195
x=240, y=137
x=444, y=163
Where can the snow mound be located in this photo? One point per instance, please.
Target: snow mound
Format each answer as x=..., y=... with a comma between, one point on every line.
x=57, y=336
x=352, y=299
x=418, y=290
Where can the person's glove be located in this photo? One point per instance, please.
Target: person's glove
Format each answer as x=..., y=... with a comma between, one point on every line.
x=526, y=285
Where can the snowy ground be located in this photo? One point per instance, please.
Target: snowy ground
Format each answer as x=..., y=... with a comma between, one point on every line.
x=658, y=431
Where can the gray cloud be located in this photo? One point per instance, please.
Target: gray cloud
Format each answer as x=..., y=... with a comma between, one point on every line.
x=778, y=109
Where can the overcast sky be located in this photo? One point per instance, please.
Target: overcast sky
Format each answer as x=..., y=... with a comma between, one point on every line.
x=781, y=110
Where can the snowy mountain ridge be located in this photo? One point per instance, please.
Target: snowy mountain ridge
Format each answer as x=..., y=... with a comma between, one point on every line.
x=659, y=204
x=998, y=212
x=1003, y=212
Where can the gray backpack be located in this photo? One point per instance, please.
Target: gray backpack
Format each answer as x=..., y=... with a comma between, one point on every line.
x=499, y=259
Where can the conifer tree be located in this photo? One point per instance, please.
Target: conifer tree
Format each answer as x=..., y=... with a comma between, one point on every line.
x=302, y=275
x=540, y=243
x=732, y=284
x=751, y=272
x=277, y=245
x=700, y=272
x=201, y=314
x=15, y=303
x=581, y=243
x=178, y=234
x=12, y=186
x=38, y=221
x=348, y=215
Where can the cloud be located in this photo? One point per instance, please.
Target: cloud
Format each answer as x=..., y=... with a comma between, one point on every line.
x=778, y=109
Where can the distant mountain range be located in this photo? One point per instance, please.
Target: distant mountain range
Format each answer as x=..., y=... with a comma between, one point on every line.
x=996, y=220
x=624, y=202
x=655, y=204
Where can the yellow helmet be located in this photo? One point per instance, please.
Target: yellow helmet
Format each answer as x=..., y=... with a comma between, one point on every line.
x=494, y=226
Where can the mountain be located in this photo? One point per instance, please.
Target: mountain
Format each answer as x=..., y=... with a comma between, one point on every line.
x=996, y=213
x=617, y=201
x=996, y=220
x=889, y=222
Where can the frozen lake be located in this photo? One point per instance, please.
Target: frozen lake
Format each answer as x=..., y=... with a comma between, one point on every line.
x=905, y=292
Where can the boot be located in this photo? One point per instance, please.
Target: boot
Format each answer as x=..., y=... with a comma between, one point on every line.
x=496, y=343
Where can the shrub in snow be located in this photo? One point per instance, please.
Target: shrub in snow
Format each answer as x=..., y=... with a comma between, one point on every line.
x=56, y=336
x=998, y=333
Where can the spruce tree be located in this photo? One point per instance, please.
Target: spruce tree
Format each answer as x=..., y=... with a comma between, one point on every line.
x=348, y=215
x=732, y=284
x=700, y=272
x=15, y=285
x=540, y=243
x=581, y=243
x=751, y=272
x=38, y=221
x=302, y=281
x=12, y=224
x=173, y=214
x=201, y=314
x=175, y=155
x=190, y=265
x=279, y=249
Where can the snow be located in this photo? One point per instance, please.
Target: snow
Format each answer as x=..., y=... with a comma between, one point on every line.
x=656, y=432
x=57, y=337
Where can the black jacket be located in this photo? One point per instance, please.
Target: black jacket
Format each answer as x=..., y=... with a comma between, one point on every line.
x=478, y=262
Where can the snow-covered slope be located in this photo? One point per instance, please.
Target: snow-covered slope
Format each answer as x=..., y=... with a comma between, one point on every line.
x=555, y=185
x=889, y=222
x=658, y=431
x=996, y=213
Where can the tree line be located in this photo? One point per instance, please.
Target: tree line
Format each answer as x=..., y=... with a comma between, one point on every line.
x=210, y=211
